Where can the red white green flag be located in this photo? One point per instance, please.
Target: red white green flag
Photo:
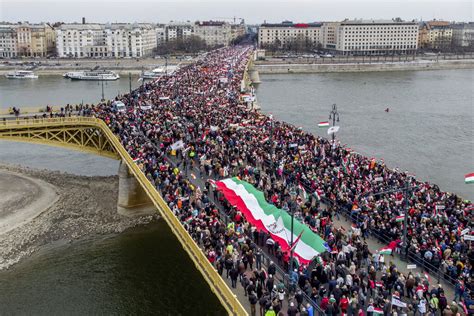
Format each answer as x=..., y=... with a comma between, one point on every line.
x=268, y=218
x=303, y=191
x=323, y=124
x=400, y=218
x=469, y=178
x=378, y=311
x=385, y=251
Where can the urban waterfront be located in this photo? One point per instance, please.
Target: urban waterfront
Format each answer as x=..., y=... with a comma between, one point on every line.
x=428, y=130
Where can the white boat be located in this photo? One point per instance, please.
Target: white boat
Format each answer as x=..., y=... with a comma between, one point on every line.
x=158, y=72
x=72, y=73
x=93, y=75
x=21, y=74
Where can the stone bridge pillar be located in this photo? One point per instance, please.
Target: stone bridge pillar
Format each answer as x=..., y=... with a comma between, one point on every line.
x=254, y=76
x=132, y=199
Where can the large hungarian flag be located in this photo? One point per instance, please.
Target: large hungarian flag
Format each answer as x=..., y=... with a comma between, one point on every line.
x=267, y=217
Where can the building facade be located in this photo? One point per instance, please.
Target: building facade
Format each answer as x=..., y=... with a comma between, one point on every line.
x=178, y=31
x=28, y=40
x=106, y=40
x=214, y=33
x=288, y=34
x=463, y=35
x=8, y=42
x=372, y=37
x=435, y=35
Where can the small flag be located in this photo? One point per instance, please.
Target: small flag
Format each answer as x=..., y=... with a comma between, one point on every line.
x=303, y=191
x=399, y=218
x=323, y=124
x=264, y=140
x=385, y=251
x=333, y=130
x=378, y=311
x=427, y=277
x=469, y=178
x=397, y=302
x=212, y=182
x=379, y=284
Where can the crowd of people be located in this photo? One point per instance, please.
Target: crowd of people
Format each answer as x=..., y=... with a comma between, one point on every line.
x=200, y=108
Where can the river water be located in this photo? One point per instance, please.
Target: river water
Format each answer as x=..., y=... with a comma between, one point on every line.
x=428, y=130
x=56, y=90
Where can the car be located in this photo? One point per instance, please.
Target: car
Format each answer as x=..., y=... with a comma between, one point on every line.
x=119, y=106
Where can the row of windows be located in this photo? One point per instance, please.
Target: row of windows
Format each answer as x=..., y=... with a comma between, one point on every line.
x=374, y=47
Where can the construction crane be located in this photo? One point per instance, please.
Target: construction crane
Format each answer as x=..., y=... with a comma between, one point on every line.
x=233, y=18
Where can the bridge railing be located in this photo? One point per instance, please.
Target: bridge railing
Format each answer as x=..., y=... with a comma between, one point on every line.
x=28, y=121
x=228, y=299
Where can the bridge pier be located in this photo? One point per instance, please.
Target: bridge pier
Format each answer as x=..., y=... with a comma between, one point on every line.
x=132, y=199
x=254, y=76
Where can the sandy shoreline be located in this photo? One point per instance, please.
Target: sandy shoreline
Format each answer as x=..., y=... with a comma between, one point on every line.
x=63, y=207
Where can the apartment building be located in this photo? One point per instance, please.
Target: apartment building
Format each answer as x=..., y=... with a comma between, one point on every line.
x=178, y=30
x=435, y=34
x=463, y=35
x=214, y=33
x=376, y=37
x=28, y=40
x=106, y=40
x=281, y=35
x=8, y=41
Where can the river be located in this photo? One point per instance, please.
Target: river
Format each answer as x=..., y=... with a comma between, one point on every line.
x=56, y=90
x=428, y=130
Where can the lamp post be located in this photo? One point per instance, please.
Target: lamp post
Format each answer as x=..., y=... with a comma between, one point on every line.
x=292, y=208
x=334, y=115
x=271, y=143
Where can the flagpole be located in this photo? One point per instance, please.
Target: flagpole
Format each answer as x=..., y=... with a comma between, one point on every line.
x=334, y=114
x=292, y=210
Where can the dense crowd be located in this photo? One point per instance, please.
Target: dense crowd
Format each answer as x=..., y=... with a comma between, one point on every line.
x=222, y=136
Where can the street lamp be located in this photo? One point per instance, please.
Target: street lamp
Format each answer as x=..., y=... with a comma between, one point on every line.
x=271, y=142
x=334, y=115
x=292, y=207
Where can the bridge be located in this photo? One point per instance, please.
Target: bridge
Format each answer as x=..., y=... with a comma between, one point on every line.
x=136, y=194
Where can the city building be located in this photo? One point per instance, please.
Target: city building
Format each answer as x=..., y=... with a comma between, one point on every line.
x=329, y=38
x=28, y=40
x=178, y=30
x=376, y=37
x=463, y=35
x=289, y=35
x=106, y=40
x=214, y=33
x=8, y=41
x=160, y=33
x=435, y=35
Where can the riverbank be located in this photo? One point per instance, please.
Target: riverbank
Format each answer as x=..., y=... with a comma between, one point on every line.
x=60, y=66
x=279, y=68
x=77, y=206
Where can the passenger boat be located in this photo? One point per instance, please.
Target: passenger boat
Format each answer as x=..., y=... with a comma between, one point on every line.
x=158, y=72
x=72, y=73
x=21, y=74
x=93, y=75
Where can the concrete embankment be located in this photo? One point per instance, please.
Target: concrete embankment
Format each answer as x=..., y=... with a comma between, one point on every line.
x=60, y=66
x=271, y=68
x=41, y=207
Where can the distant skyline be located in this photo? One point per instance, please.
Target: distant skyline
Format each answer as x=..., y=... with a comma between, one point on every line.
x=253, y=11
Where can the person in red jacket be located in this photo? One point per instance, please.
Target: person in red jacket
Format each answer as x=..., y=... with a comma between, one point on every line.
x=343, y=304
x=324, y=303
